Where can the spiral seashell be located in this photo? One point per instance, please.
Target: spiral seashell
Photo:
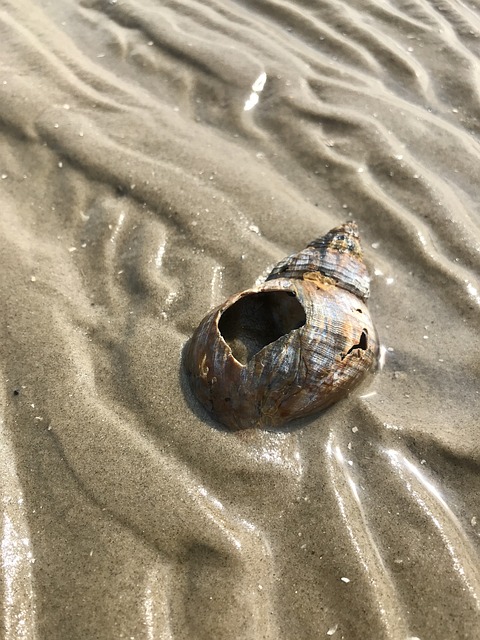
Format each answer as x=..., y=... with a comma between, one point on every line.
x=291, y=346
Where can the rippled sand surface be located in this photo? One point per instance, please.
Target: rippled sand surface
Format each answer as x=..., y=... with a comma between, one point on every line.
x=149, y=169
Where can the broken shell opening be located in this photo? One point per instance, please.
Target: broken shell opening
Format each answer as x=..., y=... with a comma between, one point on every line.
x=361, y=344
x=258, y=319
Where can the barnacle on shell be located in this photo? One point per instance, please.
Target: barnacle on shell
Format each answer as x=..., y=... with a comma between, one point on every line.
x=291, y=346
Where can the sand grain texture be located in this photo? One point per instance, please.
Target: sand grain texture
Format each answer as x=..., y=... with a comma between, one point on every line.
x=136, y=192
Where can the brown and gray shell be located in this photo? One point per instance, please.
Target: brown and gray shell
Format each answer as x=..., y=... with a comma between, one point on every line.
x=292, y=346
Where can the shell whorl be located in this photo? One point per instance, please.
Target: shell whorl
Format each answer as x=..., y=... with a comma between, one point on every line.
x=337, y=255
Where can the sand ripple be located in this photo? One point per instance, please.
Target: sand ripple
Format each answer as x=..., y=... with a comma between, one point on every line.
x=155, y=158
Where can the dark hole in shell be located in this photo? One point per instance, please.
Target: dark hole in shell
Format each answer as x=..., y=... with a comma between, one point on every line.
x=259, y=319
x=362, y=344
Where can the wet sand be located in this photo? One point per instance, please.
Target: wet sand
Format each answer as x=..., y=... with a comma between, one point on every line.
x=137, y=192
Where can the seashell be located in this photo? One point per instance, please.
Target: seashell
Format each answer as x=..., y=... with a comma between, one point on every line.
x=292, y=346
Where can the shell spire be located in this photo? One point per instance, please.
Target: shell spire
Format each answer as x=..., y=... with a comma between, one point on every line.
x=337, y=255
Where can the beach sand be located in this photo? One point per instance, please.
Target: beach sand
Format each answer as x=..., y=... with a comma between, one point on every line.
x=155, y=158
